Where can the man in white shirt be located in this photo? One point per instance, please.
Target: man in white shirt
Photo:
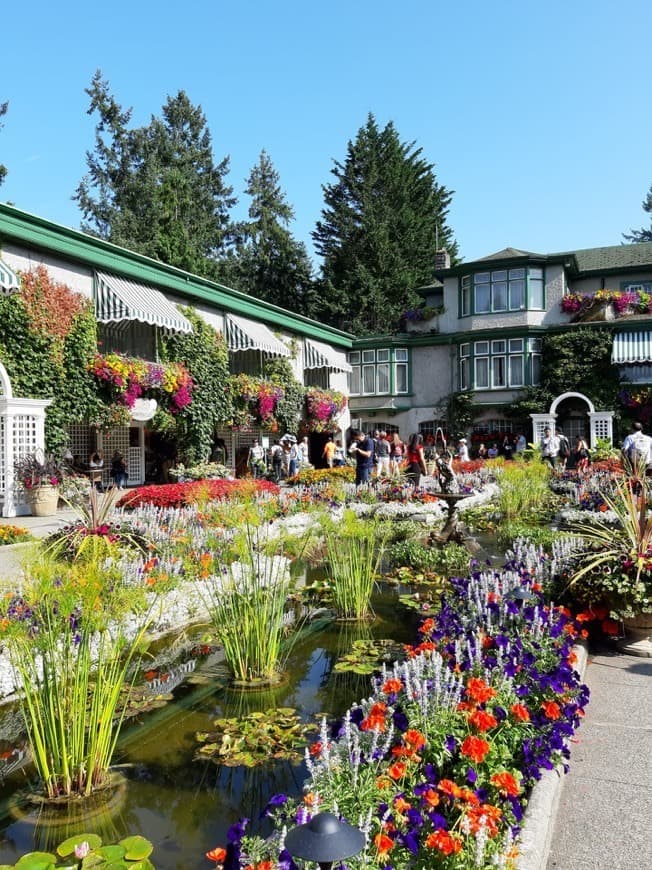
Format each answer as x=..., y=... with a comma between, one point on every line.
x=549, y=446
x=637, y=447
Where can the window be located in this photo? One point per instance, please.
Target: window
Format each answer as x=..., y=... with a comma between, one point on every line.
x=501, y=290
x=372, y=371
x=637, y=286
x=499, y=364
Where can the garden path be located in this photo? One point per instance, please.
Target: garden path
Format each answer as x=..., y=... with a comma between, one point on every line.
x=603, y=820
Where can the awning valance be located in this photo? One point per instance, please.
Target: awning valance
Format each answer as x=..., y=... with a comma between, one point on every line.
x=118, y=299
x=244, y=334
x=317, y=355
x=9, y=280
x=632, y=347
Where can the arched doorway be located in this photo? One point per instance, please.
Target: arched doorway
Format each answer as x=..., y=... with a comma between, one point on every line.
x=574, y=413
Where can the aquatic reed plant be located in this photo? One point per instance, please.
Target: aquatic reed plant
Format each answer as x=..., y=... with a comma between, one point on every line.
x=354, y=548
x=524, y=489
x=67, y=636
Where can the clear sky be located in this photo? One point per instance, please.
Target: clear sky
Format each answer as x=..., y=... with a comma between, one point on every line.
x=537, y=114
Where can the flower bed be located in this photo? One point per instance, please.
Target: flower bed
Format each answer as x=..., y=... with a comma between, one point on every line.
x=180, y=494
x=437, y=765
x=13, y=535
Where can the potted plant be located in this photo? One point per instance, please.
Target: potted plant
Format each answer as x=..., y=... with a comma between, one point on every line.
x=39, y=475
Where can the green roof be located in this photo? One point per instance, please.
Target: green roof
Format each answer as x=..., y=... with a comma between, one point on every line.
x=613, y=258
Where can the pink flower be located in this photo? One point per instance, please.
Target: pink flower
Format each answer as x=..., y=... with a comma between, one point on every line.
x=82, y=850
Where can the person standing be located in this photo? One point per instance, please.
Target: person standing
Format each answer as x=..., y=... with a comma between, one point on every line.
x=549, y=447
x=304, y=451
x=295, y=456
x=277, y=460
x=396, y=453
x=564, y=448
x=256, y=459
x=637, y=447
x=118, y=469
x=363, y=450
x=95, y=465
x=328, y=453
x=416, y=461
x=382, y=455
x=462, y=450
x=339, y=458
x=521, y=443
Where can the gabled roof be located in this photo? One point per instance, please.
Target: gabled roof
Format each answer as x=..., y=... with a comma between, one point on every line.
x=613, y=258
x=508, y=254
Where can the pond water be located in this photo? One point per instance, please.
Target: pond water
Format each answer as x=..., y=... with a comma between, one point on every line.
x=184, y=806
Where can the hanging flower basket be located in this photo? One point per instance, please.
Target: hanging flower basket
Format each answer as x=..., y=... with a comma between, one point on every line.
x=255, y=402
x=323, y=407
x=128, y=379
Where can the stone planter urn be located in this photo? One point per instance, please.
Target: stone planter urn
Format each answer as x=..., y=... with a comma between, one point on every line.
x=43, y=500
x=638, y=636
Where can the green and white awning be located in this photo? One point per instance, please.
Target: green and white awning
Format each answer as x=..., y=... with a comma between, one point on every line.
x=119, y=299
x=317, y=355
x=244, y=334
x=9, y=280
x=630, y=348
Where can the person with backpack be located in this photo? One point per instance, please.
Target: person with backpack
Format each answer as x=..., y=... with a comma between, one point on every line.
x=637, y=447
x=564, y=448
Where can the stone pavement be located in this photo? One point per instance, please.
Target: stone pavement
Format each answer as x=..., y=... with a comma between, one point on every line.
x=604, y=819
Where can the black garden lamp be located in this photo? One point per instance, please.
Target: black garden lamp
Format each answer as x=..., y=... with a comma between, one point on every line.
x=324, y=839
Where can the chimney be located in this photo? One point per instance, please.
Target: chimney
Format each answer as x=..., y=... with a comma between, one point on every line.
x=442, y=260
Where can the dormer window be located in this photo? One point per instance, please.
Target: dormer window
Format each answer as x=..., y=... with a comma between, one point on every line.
x=501, y=290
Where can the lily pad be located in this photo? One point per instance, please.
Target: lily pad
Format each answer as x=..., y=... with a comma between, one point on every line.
x=254, y=739
x=68, y=846
x=37, y=861
x=368, y=656
x=137, y=848
x=112, y=853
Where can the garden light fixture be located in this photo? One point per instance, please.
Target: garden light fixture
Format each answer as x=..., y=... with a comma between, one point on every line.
x=324, y=839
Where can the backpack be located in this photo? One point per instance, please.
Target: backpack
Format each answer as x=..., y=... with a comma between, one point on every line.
x=564, y=447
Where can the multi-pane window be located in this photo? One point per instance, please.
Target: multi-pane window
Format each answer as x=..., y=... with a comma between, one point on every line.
x=501, y=290
x=378, y=372
x=499, y=364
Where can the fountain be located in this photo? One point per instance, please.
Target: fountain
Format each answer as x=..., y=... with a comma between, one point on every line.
x=448, y=492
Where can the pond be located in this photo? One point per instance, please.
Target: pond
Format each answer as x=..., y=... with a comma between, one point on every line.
x=184, y=806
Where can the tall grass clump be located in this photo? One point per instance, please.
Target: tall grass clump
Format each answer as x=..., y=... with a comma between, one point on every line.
x=247, y=605
x=354, y=548
x=524, y=490
x=66, y=637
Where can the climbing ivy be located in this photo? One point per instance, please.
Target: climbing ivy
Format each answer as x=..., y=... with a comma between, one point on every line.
x=50, y=363
x=204, y=353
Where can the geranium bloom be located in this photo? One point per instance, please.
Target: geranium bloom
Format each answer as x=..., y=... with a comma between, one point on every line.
x=449, y=844
x=483, y=720
x=475, y=748
x=375, y=721
x=397, y=770
x=218, y=855
x=551, y=709
x=506, y=783
x=315, y=749
x=391, y=686
x=384, y=844
x=485, y=816
x=479, y=690
x=401, y=805
x=414, y=738
x=431, y=797
x=447, y=786
x=520, y=712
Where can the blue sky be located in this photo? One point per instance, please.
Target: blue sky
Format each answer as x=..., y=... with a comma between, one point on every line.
x=537, y=115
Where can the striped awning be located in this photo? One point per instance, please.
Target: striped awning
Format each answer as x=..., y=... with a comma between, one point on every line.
x=632, y=347
x=317, y=355
x=118, y=299
x=244, y=334
x=9, y=280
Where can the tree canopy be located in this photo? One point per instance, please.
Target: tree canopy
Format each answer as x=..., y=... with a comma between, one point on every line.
x=3, y=112
x=266, y=261
x=156, y=189
x=643, y=235
x=385, y=216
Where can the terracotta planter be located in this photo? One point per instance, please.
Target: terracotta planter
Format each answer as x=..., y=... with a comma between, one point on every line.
x=43, y=500
x=638, y=636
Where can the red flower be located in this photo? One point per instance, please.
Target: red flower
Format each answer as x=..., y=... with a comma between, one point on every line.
x=391, y=686
x=482, y=720
x=506, y=783
x=218, y=855
x=384, y=844
x=520, y=712
x=316, y=749
x=479, y=690
x=397, y=770
x=414, y=738
x=475, y=748
x=551, y=709
x=449, y=844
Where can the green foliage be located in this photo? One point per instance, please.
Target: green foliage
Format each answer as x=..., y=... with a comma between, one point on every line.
x=540, y=536
x=458, y=411
x=267, y=261
x=156, y=189
x=645, y=233
x=524, y=490
x=204, y=353
x=40, y=368
x=354, y=549
x=85, y=850
x=289, y=410
x=451, y=559
x=384, y=216
x=3, y=112
x=368, y=656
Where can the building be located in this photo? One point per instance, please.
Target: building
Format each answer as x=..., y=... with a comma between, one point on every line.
x=136, y=298
x=481, y=329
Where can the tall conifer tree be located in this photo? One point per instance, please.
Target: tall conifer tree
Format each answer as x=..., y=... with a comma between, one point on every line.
x=267, y=261
x=384, y=217
x=644, y=234
x=156, y=189
x=3, y=112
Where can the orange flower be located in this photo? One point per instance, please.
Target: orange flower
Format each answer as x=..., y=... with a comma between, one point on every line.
x=401, y=805
x=482, y=720
x=485, y=816
x=309, y=799
x=315, y=749
x=431, y=797
x=479, y=690
x=475, y=748
x=427, y=626
x=447, y=786
x=397, y=770
x=506, y=783
x=551, y=709
x=392, y=686
x=384, y=844
x=520, y=712
x=449, y=844
x=218, y=855
x=375, y=721
x=414, y=738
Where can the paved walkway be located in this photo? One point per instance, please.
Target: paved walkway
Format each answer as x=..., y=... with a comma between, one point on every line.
x=604, y=821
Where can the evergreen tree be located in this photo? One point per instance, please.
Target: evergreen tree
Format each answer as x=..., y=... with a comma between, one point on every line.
x=643, y=235
x=383, y=220
x=267, y=261
x=3, y=112
x=155, y=189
